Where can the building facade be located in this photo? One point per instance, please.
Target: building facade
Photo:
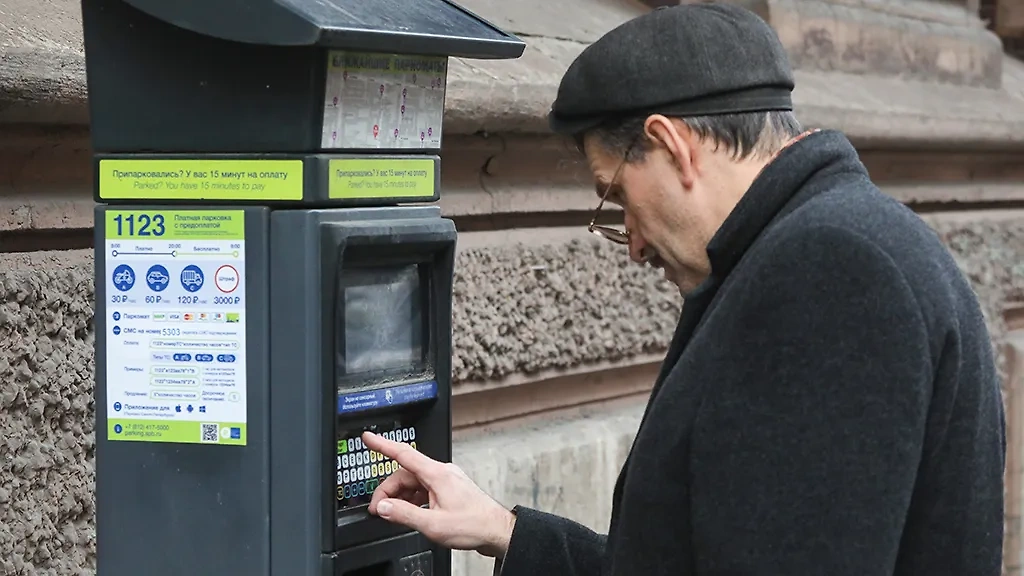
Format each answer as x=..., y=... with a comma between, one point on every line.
x=558, y=336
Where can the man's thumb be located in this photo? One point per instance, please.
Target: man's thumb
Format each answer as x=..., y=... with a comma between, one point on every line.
x=402, y=512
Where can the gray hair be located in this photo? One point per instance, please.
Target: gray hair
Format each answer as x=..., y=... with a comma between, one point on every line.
x=754, y=134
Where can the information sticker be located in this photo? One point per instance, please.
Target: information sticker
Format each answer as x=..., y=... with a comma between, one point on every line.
x=383, y=100
x=199, y=179
x=381, y=178
x=175, y=326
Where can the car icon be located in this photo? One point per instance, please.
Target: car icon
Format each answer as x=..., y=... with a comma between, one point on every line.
x=124, y=277
x=157, y=278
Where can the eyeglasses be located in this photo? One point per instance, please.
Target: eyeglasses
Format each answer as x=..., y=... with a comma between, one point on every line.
x=607, y=232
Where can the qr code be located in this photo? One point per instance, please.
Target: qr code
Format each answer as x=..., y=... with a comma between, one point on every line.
x=210, y=432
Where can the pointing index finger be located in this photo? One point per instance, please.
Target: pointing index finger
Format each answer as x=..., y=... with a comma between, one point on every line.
x=409, y=458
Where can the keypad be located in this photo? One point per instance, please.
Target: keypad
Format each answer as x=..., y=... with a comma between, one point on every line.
x=360, y=470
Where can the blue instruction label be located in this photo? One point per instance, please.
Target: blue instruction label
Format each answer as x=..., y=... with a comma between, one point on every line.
x=384, y=397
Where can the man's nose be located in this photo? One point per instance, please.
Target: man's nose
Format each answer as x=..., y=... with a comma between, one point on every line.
x=636, y=242
x=636, y=249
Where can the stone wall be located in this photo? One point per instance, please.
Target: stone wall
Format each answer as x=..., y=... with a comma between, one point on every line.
x=522, y=310
x=991, y=254
x=46, y=430
x=609, y=306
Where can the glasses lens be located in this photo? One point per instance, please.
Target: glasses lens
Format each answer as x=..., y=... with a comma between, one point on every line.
x=611, y=234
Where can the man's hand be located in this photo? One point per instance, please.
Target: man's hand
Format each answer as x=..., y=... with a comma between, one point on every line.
x=460, y=515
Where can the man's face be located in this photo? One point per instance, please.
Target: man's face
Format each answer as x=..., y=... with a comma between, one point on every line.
x=665, y=199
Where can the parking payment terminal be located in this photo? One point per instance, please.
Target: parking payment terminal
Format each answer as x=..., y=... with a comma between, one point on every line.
x=272, y=277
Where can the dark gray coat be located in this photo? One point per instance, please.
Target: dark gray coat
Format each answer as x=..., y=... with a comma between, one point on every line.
x=829, y=403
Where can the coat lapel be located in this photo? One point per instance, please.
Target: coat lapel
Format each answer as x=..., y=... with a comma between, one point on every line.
x=693, y=311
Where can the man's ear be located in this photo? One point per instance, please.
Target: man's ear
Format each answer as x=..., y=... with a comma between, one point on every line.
x=680, y=144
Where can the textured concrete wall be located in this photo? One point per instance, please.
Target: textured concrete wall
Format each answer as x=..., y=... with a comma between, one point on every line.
x=513, y=308
x=46, y=415
x=528, y=309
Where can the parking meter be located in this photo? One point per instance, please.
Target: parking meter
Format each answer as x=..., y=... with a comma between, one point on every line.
x=272, y=277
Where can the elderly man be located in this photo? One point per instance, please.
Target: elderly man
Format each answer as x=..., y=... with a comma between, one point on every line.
x=829, y=403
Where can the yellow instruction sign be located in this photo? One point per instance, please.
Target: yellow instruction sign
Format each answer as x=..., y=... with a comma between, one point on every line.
x=200, y=179
x=352, y=178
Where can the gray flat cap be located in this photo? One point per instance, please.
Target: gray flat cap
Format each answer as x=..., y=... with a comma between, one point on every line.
x=686, y=60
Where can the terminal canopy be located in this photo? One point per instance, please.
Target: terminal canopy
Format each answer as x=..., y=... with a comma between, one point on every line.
x=429, y=27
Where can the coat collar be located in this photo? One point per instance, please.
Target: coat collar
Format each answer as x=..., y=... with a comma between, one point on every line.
x=774, y=191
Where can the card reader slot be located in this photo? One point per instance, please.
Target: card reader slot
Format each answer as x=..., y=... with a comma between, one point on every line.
x=399, y=556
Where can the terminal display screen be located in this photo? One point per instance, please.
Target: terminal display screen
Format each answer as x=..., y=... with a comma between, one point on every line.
x=360, y=470
x=383, y=320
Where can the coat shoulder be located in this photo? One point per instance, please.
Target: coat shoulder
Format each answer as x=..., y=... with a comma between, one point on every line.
x=853, y=204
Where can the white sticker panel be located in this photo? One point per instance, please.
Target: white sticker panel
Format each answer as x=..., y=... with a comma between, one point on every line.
x=383, y=101
x=175, y=342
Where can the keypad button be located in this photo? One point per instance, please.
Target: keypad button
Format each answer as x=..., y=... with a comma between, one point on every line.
x=361, y=470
